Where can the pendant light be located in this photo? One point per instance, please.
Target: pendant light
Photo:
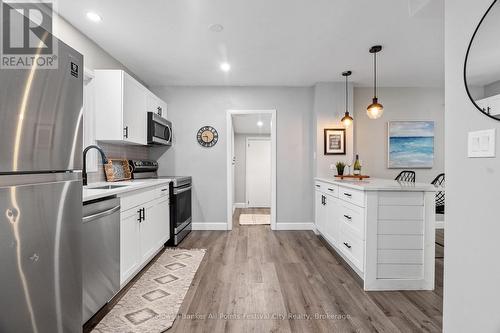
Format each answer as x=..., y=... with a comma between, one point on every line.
x=375, y=110
x=347, y=119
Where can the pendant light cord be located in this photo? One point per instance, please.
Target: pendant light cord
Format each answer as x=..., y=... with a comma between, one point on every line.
x=346, y=95
x=375, y=74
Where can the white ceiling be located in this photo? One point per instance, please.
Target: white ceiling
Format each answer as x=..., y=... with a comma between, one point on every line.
x=247, y=124
x=269, y=42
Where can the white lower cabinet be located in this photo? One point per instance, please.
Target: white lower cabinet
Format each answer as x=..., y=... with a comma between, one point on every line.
x=144, y=229
x=340, y=222
x=386, y=236
x=130, y=246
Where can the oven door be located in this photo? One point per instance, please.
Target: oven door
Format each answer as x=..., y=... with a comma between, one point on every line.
x=182, y=204
x=159, y=130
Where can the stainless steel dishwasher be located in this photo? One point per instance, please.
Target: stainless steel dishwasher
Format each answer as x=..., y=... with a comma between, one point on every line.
x=101, y=253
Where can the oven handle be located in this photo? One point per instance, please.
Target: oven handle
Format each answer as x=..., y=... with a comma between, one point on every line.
x=178, y=191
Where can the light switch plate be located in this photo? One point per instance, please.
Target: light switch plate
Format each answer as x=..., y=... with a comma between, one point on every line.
x=481, y=143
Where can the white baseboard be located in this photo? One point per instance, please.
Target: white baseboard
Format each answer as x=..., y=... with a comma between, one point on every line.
x=295, y=226
x=209, y=226
x=239, y=205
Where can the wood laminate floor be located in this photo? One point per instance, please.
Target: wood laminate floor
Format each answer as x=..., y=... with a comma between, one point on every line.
x=253, y=279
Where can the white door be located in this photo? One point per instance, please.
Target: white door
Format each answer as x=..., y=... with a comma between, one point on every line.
x=258, y=172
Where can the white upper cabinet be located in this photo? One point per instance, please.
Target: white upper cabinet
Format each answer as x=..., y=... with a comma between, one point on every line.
x=122, y=104
x=156, y=105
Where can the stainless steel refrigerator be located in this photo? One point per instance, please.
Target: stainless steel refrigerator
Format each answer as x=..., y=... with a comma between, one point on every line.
x=41, y=197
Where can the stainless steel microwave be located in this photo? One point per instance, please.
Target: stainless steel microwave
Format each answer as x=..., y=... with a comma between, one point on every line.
x=159, y=130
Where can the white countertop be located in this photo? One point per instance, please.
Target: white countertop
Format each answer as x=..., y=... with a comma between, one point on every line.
x=90, y=193
x=379, y=184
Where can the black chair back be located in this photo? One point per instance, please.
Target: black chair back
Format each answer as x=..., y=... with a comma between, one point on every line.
x=406, y=176
x=439, y=181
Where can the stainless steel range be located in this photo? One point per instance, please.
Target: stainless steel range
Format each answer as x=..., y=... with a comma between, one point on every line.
x=180, y=198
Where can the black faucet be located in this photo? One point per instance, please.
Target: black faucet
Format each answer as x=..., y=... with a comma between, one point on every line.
x=84, y=171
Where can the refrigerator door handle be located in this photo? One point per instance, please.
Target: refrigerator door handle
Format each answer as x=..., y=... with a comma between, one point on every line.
x=101, y=214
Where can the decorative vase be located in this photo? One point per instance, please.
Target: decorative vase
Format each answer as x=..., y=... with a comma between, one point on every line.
x=340, y=171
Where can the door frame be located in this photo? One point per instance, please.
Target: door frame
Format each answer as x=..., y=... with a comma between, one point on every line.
x=250, y=138
x=229, y=162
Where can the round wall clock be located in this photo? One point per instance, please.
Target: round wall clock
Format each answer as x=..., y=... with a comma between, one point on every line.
x=207, y=136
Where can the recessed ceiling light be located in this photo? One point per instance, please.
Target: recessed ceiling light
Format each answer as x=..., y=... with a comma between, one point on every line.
x=216, y=27
x=260, y=123
x=225, y=67
x=94, y=17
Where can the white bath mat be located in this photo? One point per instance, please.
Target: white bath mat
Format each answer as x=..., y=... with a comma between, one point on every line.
x=255, y=219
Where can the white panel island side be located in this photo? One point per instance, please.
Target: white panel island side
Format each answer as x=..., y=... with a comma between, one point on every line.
x=384, y=229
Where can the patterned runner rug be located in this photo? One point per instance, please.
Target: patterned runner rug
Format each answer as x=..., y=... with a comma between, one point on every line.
x=152, y=303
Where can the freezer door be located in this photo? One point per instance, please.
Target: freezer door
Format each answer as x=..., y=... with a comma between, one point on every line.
x=41, y=116
x=40, y=254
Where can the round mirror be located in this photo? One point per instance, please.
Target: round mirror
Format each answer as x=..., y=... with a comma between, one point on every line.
x=482, y=64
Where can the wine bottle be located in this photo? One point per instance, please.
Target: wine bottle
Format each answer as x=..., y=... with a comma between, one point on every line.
x=357, y=166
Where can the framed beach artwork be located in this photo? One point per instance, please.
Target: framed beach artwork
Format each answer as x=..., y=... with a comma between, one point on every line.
x=410, y=144
x=334, y=141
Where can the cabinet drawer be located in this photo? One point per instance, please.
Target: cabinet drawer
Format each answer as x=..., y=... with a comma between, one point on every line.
x=140, y=197
x=353, y=196
x=327, y=188
x=352, y=246
x=353, y=217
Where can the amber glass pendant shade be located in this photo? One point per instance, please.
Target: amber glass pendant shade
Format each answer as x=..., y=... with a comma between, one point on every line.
x=375, y=110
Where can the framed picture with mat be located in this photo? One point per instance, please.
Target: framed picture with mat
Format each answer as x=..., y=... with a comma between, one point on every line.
x=334, y=141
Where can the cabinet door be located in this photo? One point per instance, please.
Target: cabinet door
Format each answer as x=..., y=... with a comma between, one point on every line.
x=147, y=233
x=134, y=111
x=130, y=251
x=156, y=105
x=320, y=211
x=332, y=220
x=160, y=221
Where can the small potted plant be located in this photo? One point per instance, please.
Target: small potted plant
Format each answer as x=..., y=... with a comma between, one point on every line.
x=340, y=168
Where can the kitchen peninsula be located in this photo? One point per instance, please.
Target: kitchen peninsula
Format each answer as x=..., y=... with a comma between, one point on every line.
x=384, y=230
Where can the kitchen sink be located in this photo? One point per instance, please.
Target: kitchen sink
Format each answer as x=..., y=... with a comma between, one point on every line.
x=107, y=187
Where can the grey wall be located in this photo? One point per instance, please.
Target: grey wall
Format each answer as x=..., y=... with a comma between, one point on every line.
x=472, y=270
x=240, y=151
x=399, y=104
x=329, y=108
x=190, y=108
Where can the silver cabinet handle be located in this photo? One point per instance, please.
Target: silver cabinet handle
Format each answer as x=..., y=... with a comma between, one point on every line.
x=101, y=214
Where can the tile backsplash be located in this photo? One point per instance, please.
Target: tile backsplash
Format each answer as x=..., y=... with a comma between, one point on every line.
x=117, y=151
